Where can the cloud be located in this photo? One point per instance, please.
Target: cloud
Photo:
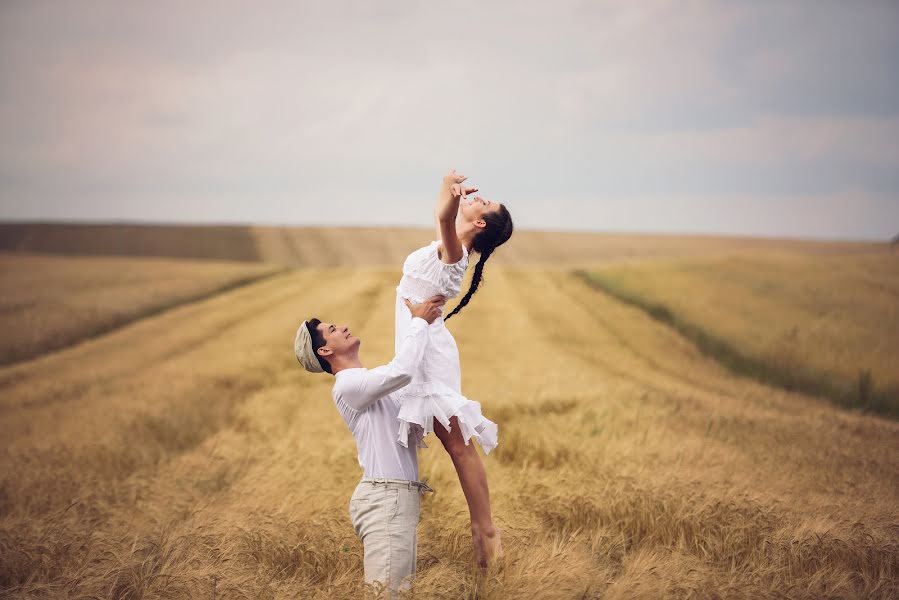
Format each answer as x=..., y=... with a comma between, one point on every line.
x=284, y=103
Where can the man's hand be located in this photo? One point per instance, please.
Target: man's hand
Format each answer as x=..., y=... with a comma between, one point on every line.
x=428, y=310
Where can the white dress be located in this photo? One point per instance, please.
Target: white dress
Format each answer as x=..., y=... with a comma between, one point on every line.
x=436, y=388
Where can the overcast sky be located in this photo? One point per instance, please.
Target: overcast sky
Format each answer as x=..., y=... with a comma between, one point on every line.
x=758, y=117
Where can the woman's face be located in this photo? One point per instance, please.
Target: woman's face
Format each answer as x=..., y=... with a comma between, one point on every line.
x=473, y=208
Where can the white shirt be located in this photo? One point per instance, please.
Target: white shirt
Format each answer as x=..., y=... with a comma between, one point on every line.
x=369, y=406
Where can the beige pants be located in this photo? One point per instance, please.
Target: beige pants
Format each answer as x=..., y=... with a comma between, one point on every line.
x=385, y=516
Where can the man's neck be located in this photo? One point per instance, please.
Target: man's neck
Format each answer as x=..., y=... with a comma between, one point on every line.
x=351, y=362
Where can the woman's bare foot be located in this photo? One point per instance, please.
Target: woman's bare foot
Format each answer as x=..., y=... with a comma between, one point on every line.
x=494, y=547
x=488, y=546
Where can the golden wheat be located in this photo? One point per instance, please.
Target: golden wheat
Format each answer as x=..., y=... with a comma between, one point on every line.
x=186, y=455
x=823, y=323
x=50, y=302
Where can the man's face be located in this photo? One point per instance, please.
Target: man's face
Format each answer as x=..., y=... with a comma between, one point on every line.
x=338, y=340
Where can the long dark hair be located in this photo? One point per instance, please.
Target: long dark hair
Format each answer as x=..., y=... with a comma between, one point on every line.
x=495, y=234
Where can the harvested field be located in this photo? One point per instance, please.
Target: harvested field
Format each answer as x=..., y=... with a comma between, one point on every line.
x=187, y=455
x=318, y=247
x=51, y=302
x=828, y=325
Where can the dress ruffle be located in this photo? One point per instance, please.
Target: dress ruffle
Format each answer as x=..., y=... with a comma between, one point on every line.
x=424, y=265
x=421, y=403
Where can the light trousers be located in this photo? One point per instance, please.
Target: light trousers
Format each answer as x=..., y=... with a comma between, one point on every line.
x=385, y=516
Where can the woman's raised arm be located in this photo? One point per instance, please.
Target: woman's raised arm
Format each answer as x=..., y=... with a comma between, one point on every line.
x=451, y=192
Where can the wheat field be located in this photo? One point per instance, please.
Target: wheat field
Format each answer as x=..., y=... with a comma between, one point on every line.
x=320, y=247
x=50, y=302
x=825, y=324
x=186, y=455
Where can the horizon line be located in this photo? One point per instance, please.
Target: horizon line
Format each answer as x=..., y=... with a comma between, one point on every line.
x=599, y=232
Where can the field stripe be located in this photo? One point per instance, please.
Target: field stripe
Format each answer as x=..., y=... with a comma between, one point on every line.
x=85, y=374
x=106, y=328
x=790, y=377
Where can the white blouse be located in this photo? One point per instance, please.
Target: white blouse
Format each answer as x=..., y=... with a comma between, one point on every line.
x=425, y=275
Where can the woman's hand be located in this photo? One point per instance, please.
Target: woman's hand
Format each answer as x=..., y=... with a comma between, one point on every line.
x=458, y=191
x=453, y=177
x=453, y=182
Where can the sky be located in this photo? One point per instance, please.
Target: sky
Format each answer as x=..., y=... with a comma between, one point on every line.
x=765, y=118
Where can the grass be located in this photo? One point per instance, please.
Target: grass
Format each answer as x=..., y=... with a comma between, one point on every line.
x=823, y=326
x=186, y=455
x=51, y=302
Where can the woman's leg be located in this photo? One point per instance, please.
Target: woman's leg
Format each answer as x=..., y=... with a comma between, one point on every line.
x=473, y=478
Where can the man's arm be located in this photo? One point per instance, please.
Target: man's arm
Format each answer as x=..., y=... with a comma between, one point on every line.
x=376, y=383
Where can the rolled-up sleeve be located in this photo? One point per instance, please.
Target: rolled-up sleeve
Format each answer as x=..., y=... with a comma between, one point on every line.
x=366, y=387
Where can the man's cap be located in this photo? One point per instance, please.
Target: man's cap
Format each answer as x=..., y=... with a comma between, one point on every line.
x=302, y=347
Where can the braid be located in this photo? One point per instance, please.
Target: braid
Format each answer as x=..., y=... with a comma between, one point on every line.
x=475, y=282
x=495, y=234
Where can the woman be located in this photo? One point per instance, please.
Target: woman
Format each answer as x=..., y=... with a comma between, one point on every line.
x=434, y=401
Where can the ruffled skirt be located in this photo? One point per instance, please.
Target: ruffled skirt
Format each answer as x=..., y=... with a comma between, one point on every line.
x=421, y=403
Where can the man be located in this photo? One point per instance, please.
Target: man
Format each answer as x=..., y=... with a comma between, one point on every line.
x=385, y=506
